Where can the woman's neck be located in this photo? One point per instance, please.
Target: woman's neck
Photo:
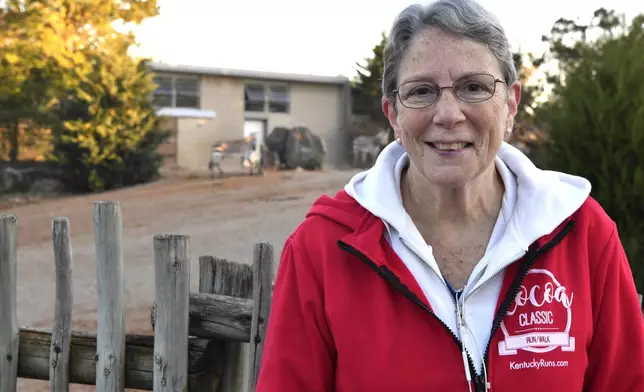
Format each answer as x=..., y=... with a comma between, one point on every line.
x=431, y=206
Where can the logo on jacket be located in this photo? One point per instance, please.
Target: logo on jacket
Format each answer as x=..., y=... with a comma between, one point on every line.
x=539, y=319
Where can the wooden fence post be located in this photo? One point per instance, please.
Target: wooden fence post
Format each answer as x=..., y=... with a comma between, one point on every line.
x=218, y=276
x=262, y=295
x=61, y=333
x=8, y=317
x=110, y=339
x=172, y=290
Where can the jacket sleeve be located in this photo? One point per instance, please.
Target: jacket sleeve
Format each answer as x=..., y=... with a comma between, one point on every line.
x=298, y=352
x=616, y=353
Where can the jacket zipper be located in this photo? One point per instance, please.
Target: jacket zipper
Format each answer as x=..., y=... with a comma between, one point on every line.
x=392, y=279
x=460, y=321
x=532, y=255
x=468, y=363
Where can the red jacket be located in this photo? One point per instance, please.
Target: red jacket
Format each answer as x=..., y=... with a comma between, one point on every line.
x=347, y=316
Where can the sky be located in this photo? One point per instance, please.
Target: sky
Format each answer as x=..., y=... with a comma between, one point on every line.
x=322, y=37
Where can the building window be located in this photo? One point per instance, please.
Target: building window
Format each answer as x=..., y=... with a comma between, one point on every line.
x=254, y=98
x=278, y=99
x=186, y=92
x=163, y=93
x=177, y=91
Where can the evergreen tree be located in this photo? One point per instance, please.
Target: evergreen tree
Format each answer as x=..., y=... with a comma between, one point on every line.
x=595, y=118
x=65, y=64
x=366, y=89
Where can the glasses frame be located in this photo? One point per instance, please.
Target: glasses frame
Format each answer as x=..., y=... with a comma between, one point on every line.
x=396, y=92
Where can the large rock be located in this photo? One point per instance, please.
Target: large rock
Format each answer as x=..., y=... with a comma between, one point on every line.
x=46, y=186
x=22, y=177
x=297, y=147
x=9, y=179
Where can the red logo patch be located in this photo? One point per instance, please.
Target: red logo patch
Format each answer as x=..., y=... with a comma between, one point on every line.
x=539, y=319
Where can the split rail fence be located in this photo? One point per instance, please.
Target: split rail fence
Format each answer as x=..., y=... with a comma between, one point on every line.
x=206, y=341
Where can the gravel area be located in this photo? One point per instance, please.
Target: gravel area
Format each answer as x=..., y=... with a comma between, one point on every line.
x=223, y=217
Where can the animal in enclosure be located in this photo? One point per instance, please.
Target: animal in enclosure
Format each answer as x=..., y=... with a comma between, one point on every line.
x=367, y=148
x=217, y=154
x=270, y=159
x=251, y=158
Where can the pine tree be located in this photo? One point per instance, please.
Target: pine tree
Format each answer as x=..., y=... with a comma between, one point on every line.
x=65, y=64
x=366, y=89
x=595, y=119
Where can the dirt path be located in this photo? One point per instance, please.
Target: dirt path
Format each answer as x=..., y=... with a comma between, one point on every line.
x=224, y=218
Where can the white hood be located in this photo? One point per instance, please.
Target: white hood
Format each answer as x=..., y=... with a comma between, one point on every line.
x=534, y=204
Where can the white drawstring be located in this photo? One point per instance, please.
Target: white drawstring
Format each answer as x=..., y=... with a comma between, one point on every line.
x=488, y=386
x=466, y=365
x=462, y=324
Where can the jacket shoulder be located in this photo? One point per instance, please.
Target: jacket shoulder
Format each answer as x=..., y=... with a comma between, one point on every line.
x=330, y=218
x=592, y=217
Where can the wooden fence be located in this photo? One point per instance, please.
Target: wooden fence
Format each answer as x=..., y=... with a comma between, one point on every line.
x=203, y=341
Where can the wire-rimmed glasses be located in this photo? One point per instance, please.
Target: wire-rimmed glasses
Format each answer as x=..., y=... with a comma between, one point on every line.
x=472, y=88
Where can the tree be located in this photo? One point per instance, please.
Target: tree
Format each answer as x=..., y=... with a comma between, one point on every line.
x=525, y=134
x=595, y=118
x=366, y=92
x=66, y=63
x=526, y=65
x=111, y=132
x=34, y=63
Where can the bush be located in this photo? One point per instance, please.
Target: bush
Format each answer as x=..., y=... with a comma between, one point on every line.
x=596, y=130
x=111, y=132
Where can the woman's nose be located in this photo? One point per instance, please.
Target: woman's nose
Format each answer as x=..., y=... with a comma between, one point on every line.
x=448, y=111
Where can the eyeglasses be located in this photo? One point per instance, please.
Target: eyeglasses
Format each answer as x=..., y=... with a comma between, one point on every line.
x=470, y=88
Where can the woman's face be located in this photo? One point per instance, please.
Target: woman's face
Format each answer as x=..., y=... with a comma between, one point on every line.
x=451, y=142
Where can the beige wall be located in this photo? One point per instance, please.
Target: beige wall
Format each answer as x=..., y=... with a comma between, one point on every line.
x=317, y=106
x=314, y=105
x=194, y=141
x=169, y=149
x=226, y=97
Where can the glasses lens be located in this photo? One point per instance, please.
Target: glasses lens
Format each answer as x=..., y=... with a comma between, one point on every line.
x=475, y=88
x=418, y=94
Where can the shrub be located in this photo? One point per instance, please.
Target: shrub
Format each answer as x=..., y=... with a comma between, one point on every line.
x=111, y=132
x=595, y=127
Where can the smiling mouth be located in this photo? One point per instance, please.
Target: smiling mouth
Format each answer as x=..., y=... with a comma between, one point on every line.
x=449, y=146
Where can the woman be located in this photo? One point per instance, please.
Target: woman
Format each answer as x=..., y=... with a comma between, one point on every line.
x=454, y=264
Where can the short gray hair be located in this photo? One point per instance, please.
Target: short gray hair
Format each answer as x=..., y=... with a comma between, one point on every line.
x=461, y=18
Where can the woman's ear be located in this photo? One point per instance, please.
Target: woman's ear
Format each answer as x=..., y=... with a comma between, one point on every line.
x=514, y=98
x=389, y=110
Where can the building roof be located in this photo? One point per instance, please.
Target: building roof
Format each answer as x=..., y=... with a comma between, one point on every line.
x=247, y=74
x=186, y=113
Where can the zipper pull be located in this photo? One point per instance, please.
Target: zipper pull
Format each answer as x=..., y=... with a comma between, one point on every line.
x=466, y=365
x=460, y=321
x=459, y=315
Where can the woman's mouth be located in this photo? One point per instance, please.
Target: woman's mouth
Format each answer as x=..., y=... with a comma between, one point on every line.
x=449, y=146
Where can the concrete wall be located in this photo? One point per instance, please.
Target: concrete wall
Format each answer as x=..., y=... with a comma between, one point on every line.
x=169, y=149
x=194, y=141
x=321, y=107
x=226, y=97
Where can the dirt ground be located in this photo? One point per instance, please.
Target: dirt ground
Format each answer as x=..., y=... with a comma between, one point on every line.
x=223, y=217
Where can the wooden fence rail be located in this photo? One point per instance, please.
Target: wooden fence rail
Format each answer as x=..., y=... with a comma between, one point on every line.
x=206, y=341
